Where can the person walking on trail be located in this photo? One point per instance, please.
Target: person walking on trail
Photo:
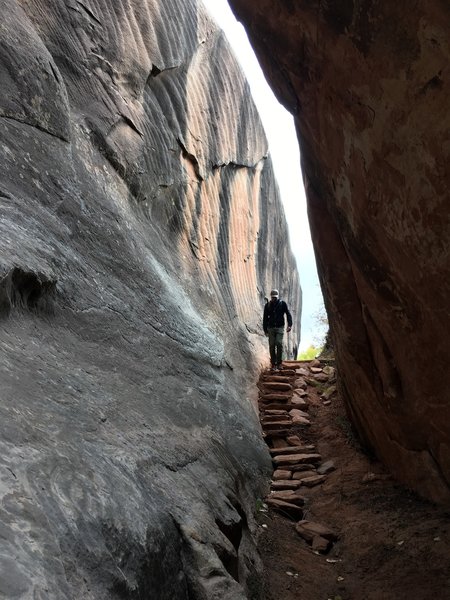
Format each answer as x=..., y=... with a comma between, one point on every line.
x=273, y=325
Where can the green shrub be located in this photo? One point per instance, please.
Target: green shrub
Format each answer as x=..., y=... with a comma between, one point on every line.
x=310, y=353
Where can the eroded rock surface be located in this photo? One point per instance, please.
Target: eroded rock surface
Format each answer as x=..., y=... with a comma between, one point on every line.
x=368, y=83
x=140, y=230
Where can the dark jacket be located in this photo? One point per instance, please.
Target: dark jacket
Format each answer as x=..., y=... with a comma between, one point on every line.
x=274, y=315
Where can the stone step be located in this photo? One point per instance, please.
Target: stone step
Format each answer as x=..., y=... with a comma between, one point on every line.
x=277, y=386
x=275, y=412
x=300, y=468
x=285, y=484
x=275, y=397
x=299, y=475
x=304, y=449
x=276, y=378
x=296, y=459
x=281, y=475
x=292, y=496
x=288, y=372
x=275, y=424
x=277, y=406
x=285, y=508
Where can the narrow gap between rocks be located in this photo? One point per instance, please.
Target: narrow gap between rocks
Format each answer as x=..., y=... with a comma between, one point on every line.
x=335, y=524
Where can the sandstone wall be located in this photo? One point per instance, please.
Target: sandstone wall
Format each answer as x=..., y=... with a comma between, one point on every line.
x=140, y=230
x=368, y=82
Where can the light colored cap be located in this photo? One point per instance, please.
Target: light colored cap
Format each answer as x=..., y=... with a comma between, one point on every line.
x=274, y=294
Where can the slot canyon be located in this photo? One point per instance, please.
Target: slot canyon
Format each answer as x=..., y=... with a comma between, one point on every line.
x=141, y=232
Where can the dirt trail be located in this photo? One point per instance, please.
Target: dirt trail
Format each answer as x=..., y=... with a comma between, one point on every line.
x=391, y=544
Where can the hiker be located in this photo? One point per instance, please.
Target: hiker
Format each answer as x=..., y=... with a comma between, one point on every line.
x=273, y=325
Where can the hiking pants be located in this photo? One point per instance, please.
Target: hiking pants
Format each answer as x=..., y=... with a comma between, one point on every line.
x=276, y=344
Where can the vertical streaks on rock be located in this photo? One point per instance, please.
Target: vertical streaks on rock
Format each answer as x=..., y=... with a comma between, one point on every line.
x=133, y=266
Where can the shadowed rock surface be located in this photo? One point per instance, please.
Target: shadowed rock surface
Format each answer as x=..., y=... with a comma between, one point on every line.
x=140, y=230
x=368, y=83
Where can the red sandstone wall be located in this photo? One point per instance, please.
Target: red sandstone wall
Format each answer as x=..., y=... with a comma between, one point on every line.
x=368, y=83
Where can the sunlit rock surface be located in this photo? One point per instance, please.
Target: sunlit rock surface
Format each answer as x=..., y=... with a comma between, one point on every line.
x=140, y=230
x=368, y=83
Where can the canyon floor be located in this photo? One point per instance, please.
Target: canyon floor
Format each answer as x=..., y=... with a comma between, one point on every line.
x=392, y=545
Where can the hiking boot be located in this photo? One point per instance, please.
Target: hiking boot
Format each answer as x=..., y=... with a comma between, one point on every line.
x=274, y=368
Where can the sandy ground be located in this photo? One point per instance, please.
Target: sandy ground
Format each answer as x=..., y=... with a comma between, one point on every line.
x=392, y=544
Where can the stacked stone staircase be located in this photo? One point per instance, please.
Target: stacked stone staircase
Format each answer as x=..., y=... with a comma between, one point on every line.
x=284, y=398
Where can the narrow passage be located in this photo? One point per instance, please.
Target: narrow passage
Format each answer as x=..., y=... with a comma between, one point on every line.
x=335, y=525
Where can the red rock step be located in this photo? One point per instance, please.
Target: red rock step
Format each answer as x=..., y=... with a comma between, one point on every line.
x=277, y=386
x=294, y=459
x=285, y=508
x=292, y=450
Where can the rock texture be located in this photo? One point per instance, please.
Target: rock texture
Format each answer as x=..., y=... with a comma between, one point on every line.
x=140, y=230
x=368, y=82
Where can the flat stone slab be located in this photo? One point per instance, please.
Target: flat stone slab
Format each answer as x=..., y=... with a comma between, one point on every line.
x=283, y=419
x=274, y=424
x=285, y=484
x=278, y=378
x=292, y=496
x=315, y=369
x=301, y=468
x=277, y=397
x=299, y=475
x=277, y=386
x=313, y=480
x=309, y=529
x=296, y=459
x=303, y=449
x=288, y=372
x=285, y=508
x=286, y=406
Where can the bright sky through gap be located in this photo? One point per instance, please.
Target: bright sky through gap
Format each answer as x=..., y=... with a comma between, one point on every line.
x=284, y=150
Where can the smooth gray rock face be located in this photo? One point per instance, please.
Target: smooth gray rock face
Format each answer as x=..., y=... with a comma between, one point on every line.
x=140, y=229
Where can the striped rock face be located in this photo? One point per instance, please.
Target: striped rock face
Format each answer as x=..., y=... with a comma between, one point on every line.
x=140, y=230
x=368, y=83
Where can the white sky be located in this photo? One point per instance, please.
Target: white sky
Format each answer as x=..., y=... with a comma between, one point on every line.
x=284, y=150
